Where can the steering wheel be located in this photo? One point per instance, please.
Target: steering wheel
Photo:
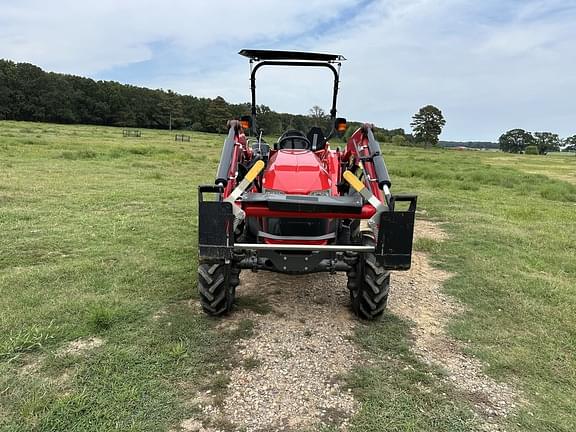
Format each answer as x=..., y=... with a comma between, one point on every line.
x=293, y=140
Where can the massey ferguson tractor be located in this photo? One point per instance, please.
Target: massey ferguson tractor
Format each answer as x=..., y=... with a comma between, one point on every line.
x=300, y=205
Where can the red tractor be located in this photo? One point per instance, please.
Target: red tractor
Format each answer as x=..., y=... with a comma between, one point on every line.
x=301, y=206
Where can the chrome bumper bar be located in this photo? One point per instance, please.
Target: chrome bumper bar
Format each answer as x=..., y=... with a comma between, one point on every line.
x=303, y=247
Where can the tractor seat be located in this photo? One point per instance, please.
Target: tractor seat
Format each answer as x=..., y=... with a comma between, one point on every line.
x=293, y=140
x=317, y=138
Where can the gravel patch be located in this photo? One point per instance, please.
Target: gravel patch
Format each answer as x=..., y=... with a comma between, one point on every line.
x=298, y=353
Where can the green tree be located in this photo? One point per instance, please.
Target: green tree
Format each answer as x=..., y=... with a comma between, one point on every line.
x=570, y=143
x=547, y=142
x=515, y=141
x=28, y=93
x=319, y=117
x=427, y=125
x=399, y=140
x=380, y=136
x=7, y=71
x=268, y=120
x=218, y=115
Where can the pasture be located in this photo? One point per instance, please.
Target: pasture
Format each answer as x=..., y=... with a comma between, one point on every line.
x=99, y=328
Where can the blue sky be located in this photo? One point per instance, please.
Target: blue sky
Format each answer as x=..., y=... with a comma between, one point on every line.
x=489, y=65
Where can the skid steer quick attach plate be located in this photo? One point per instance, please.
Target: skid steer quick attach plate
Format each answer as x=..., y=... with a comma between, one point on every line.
x=395, y=235
x=215, y=226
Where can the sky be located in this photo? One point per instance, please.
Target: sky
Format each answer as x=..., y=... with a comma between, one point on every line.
x=489, y=65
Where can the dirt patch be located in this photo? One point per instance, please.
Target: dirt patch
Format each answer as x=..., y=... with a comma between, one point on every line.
x=81, y=346
x=416, y=295
x=428, y=230
x=295, y=358
x=165, y=311
x=31, y=365
x=193, y=425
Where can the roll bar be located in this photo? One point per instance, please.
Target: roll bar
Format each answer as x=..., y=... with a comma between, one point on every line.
x=292, y=58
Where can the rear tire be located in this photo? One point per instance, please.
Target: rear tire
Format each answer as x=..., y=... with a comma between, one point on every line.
x=217, y=282
x=369, y=285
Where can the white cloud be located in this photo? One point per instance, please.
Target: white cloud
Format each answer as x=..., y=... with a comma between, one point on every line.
x=90, y=36
x=488, y=65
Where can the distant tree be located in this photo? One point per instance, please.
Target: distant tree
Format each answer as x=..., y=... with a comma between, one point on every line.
x=515, y=141
x=410, y=140
x=570, y=143
x=380, y=136
x=427, y=125
x=196, y=126
x=317, y=113
x=399, y=140
x=218, y=115
x=267, y=120
x=6, y=100
x=31, y=94
x=168, y=111
x=547, y=142
x=386, y=135
x=319, y=118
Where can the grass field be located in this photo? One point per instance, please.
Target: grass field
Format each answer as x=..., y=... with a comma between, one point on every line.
x=98, y=239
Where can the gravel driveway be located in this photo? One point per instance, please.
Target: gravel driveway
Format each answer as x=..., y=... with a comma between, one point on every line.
x=299, y=351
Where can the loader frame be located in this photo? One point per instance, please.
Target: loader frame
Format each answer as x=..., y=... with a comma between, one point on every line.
x=234, y=200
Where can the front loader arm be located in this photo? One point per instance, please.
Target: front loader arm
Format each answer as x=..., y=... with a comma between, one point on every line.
x=393, y=229
x=363, y=151
x=234, y=151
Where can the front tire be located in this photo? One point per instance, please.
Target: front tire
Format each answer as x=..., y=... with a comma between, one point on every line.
x=217, y=282
x=369, y=285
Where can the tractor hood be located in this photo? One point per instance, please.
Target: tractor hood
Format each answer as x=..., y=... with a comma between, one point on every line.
x=296, y=172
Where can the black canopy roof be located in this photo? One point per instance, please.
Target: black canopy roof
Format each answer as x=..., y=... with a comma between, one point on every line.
x=289, y=55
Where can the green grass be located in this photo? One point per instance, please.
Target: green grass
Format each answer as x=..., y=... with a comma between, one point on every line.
x=99, y=239
x=398, y=393
x=556, y=165
x=512, y=249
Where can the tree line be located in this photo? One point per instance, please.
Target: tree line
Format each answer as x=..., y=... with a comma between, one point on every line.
x=521, y=141
x=30, y=94
x=470, y=144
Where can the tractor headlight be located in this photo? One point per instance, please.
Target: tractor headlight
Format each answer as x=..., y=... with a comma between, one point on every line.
x=325, y=192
